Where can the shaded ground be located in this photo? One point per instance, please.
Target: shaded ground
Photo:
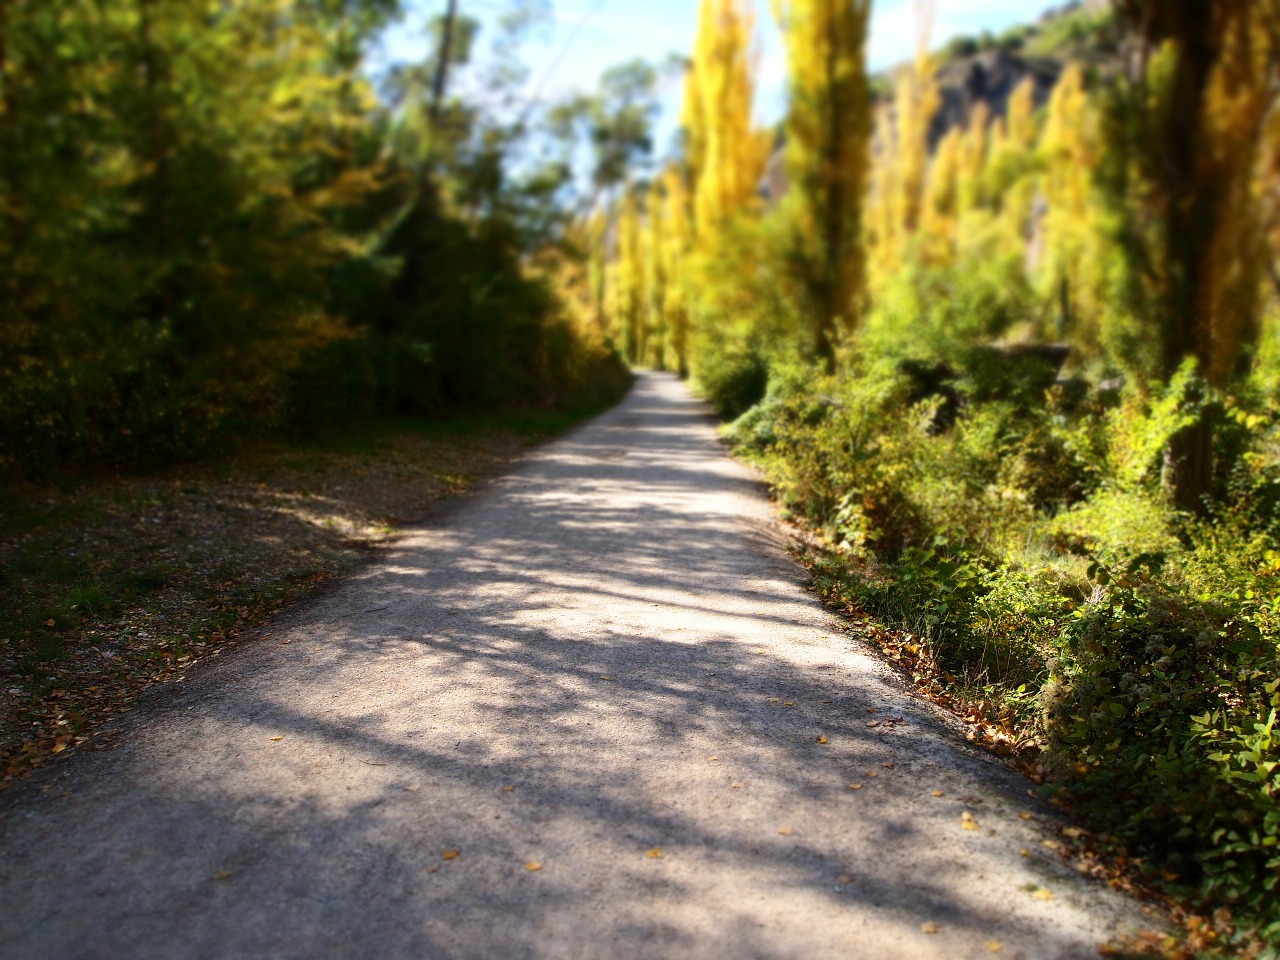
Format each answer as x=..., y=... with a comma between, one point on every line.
x=113, y=586
x=591, y=713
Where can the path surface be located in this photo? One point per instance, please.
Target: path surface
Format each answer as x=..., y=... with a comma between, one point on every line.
x=614, y=631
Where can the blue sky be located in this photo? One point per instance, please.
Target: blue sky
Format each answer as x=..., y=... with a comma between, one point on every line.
x=600, y=33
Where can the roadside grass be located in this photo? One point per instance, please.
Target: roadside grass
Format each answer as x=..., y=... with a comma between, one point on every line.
x=110, y=586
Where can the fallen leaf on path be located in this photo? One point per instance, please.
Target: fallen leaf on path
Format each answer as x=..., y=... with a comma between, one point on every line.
x=873, y=723
x=736, y=786
x=873, y=773
x=606, y=678
x=1075, y=833
x=1049, y=844
x=1043, y=894
x=822, y=739
x=412, y=788
x=223, y=874
x=654, y=853
x=968, y=821
x=713, y=758
x=1024, y=852
x=533, y=866
x=277, y=738
x=871, y=709
x=1023, y=815
x=937, y=793
x=844, y=879
x=785, y=831
x=788, y=703
x=887, y=766
x=930, y=927
x=995, y=946
x=450, y=854
x=508, y=788
x=855, y=786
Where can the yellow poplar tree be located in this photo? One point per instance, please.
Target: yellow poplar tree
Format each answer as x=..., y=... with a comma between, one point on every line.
x=628, y=312
x=725, y=154
x=940, y=219
x=656, y=278
x=1071, y=272
x=973, y=160
x=677, y=243
x=828, y=130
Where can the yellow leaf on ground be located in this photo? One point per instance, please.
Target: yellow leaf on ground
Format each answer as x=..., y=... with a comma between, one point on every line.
x=995, y=946
x=450, y=854
x=937, y=793
x=1043, y=894
x=606, y=678
x=785, y=831
x=855, y=786
x=929, y=927
x=654, y=853
x=713, y=758
x=788, y=703
x=533, y=866
x=873, y=773
x=1024, y=815
x=412, y=788
x=1075, y=833
x=1024, y=852
x=736, y=785
x=508, y=788
x=844, y=879
x=277, y=738
x=822, y=739
x=50, y=622
x=968, y=821
x=222, y=874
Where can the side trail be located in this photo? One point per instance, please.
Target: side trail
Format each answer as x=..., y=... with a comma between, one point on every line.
x=589, y=713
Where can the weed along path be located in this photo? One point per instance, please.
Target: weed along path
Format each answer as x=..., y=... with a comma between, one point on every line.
x=590, y=712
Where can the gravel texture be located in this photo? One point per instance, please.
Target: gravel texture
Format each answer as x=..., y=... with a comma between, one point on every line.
x=590, y=712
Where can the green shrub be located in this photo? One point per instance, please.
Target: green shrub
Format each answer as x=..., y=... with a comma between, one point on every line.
x=733, y=379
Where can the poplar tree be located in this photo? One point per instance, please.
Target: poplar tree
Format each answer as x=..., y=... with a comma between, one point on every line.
x=725, y=154
x=676, y=248
x=630, y=286
x=1185, y=137
x=1072, y=270
x=828, y=130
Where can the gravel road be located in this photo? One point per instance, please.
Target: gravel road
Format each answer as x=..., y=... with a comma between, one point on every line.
x=589, y=712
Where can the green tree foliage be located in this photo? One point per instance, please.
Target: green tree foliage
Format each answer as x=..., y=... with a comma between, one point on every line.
x=210, y=223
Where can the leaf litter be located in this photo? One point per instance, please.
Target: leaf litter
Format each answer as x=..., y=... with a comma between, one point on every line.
x=118, y=585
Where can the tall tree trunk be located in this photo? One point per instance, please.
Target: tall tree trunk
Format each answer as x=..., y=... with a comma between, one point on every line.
x=15, y=200
x=441, y=81
x=156, y=151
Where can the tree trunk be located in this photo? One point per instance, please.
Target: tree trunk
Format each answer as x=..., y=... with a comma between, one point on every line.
x=1188, y=465
x=441, y=80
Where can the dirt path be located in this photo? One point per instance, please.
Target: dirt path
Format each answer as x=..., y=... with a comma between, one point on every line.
x=605, y=656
